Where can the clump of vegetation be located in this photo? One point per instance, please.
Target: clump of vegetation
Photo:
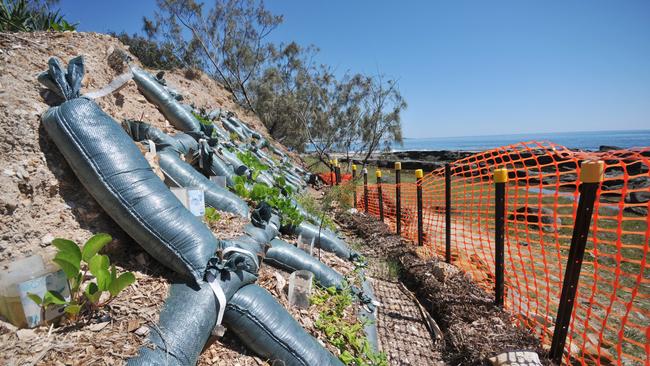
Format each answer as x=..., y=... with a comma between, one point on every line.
x=313, y=207
x=278, y=197
x=202, y=120
x=211, y=215
x=25, y=16
x=342, y=329
x=341, y=196
x=152, y=54
x=85, y=291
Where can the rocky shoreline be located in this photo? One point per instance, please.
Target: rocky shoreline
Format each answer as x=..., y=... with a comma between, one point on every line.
x=426, y=160
x=415, y=159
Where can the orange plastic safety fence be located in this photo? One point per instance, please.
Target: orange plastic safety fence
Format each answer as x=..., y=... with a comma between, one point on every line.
x=611, y=316
x=330, y=178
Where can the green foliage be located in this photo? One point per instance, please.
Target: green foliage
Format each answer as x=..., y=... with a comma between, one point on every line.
x=312, y=206
x=211, y=215
x=341, y=195
x=224, y=38
x=278, y=197
x=203, y=120
x=251, y=161
x=239, y=186
x=151, y=53
x=25, y=16
x=342, y=329
x=85, y=294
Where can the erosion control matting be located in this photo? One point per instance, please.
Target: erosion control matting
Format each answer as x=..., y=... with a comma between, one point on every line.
x=402, y=329
x=473, y=329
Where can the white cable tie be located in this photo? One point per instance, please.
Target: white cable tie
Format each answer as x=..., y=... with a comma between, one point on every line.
x=221, y=296
x=115, y=85
x=152, y=146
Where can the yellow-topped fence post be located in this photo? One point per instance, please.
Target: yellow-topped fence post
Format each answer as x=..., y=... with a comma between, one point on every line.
x=398, y=198
x=354, y=184
x=365, y=189
x=418, y=186
x=380, y=197
x=447, y=213
x=337, y=172
x=591, y=176
x=500, y=180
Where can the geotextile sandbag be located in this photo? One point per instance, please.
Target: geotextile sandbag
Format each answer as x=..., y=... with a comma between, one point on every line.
x=367, y=314
x=266, y=328
x=183, y=174
x=141, y=131
x=112, y=168
x=325, y=239
x=156, y=93
x=232, y=159
x=291, y=258
x=186, y=322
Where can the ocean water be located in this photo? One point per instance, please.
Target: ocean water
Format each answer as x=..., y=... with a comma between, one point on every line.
x=575, y=140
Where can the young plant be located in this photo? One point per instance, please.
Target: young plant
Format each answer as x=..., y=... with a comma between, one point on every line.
x=342, y=329
x=278, y=197
x=202, y=120
x=253, y=163
x=239, y=186
x=85, y=292
x=211, y=215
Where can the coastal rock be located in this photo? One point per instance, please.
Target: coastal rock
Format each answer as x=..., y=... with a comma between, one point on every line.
x=637, y=197
x=603, y=148
x=536, y=215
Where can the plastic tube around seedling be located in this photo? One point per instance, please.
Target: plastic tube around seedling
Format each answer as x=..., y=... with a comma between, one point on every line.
x=300, y=285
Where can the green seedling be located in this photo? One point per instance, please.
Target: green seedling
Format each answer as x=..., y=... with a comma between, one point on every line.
x=278, y=197
x=202, y=120
x=85, y=291
x=211, y=215
x=342, y=331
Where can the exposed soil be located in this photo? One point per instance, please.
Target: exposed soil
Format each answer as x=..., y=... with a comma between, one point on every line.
x=41, y=199
x=473, y=328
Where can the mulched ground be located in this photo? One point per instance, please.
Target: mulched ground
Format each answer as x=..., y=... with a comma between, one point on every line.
x=473, y=328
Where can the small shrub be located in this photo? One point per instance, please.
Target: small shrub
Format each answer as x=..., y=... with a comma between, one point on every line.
x=152, y=54
x=341, y=196
x=85, y=292
x=342, y=329
x=211, y=215
x=278, y=197
x=22, y=16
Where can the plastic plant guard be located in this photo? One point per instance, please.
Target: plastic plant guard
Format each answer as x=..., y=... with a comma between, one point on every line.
x=300, y=284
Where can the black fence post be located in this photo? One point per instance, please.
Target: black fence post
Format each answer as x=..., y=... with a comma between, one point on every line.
x=500, y=180
x=591, y=175
x=418, y=177
x=354, y=183
x=337, y=172
x=447, y=213
x=331, y=172
x=398, y=198
x=380, y=197
x=365, y=189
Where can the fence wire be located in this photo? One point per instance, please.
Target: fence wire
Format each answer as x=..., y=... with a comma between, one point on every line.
x=611, y=317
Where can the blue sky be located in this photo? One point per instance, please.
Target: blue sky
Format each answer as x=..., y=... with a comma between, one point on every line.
x=469, y=67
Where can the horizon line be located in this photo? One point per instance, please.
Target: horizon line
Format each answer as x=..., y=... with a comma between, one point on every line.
x=524, y=133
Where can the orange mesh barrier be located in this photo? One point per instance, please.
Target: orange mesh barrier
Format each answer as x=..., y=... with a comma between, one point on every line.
x=330, y=178
x=611, y=316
